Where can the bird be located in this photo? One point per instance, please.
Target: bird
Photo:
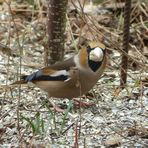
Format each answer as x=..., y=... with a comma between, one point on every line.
x=73, y=77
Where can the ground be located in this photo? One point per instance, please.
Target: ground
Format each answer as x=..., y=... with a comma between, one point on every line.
x=119, y=117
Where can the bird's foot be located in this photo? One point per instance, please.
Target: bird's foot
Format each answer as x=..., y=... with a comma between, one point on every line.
x=79, y=104
x=76, y=104
x=57, y=109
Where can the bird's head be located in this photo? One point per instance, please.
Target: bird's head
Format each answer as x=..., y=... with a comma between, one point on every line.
x=96, y=54
x=96, y=51
x=91, y=57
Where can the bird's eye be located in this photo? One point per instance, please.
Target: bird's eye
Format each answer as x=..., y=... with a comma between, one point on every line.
x=88, y=47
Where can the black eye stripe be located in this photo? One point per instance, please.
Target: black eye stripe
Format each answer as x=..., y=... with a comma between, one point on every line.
x=89, y=49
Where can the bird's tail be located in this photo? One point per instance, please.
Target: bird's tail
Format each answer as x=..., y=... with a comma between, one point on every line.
x=19, y=82
x=22, y=81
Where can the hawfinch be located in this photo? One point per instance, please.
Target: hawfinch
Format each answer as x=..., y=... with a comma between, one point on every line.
x=73, y=77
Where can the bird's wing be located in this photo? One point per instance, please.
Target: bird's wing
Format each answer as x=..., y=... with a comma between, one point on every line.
x=67, y=64
x=56, y=72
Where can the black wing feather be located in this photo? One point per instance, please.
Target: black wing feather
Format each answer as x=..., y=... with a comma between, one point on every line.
x=38, y=76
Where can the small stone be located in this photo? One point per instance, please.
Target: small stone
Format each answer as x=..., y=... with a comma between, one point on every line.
x=113, y=141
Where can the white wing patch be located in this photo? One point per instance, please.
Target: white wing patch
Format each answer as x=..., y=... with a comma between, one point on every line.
x=59, y=73
x=68, y=79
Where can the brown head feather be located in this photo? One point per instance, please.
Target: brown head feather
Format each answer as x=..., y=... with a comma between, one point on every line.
x=94, y=44
x=83, y=57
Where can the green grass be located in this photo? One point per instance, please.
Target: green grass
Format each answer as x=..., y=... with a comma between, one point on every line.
x=37, y=125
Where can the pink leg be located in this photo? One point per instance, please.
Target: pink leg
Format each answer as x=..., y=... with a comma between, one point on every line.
x=79, y=104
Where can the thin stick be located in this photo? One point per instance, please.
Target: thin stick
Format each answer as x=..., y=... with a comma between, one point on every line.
x=126, y=31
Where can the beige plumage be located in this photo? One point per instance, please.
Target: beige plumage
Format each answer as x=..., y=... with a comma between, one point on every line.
x=73, y=77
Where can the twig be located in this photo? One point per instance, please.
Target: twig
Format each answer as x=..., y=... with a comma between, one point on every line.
x=126, y=36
